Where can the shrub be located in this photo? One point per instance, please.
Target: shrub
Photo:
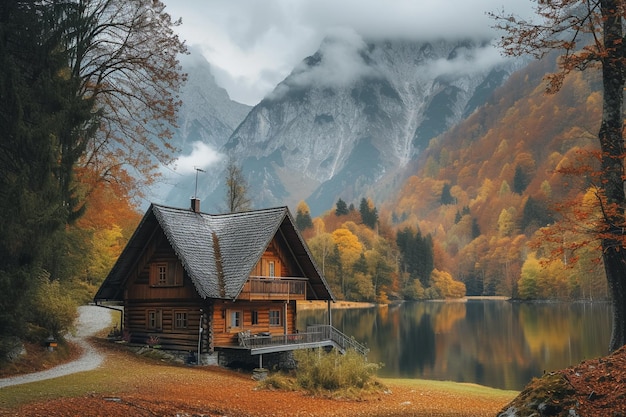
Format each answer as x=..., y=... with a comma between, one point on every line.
x=53, y=309
x=348, y=373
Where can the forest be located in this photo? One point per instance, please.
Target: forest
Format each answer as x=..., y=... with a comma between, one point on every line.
x=86, y=114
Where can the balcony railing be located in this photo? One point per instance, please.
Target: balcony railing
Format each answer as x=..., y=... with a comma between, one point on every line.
x=274, y=288
x=315, y=336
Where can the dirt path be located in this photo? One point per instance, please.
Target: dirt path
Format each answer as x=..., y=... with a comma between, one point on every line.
x=91, y=320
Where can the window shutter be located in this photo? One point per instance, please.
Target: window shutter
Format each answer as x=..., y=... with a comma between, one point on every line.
x=175, y=273
x=178, y=277
x=153, y=273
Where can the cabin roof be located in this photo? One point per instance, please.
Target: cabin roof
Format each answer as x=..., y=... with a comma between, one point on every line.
x=218, y=252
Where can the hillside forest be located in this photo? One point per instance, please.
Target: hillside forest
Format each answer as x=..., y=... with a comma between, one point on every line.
x=492, y=207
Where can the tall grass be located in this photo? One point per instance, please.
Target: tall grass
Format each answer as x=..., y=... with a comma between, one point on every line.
x=330, y=373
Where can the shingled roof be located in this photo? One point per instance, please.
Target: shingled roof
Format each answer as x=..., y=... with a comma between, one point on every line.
x=218, y=252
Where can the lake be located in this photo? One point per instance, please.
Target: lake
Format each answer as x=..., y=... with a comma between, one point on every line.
x=496, y=343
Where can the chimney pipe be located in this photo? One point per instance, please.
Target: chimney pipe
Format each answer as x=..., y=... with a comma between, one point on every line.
x=195, y=205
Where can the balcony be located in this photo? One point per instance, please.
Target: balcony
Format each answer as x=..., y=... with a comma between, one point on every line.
x=274, y=288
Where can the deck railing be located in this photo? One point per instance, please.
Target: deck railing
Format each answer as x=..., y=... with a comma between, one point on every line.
x=275, y=287
x=315, y=335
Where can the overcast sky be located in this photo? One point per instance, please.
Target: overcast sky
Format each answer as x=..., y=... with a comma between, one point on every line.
x=252, y=45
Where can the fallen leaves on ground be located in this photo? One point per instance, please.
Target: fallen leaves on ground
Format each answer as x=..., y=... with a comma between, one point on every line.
x=592, y=388
x=149, y=388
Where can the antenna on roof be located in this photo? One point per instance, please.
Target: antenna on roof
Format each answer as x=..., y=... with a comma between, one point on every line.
x=195, y=194
x=195, y=202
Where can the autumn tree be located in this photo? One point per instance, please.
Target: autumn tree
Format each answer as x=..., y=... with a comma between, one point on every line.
x=589, y=34
x=236, y=189
x=126, y=55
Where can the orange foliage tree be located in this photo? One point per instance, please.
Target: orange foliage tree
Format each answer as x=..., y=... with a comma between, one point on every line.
x=564, y=27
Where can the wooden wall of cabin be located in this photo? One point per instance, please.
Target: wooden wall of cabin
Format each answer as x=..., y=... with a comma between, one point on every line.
x=277, y=251
x=172, y=326
x=224, y=335
x=169, y=311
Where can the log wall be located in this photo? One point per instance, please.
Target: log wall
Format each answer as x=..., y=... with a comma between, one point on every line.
x=225, y=336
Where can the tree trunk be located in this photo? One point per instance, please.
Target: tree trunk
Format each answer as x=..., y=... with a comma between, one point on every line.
x=612, y=174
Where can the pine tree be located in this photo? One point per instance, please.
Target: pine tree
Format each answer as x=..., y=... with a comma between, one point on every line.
x=369, y=213
x=446, y=196
x=520, y=180
x=303, y=217
x=341, y=208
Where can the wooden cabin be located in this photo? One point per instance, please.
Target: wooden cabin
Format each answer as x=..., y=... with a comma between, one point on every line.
x=199, y=282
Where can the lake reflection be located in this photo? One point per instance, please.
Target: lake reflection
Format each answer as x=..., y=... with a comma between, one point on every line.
x=489, y=342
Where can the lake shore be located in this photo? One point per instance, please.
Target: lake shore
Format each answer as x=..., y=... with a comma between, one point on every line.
x=318, y=305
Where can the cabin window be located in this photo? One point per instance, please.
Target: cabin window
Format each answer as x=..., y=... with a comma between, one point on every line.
x=180, y=319
x=235, y=319
x=270, y=268
x=154, y=320
x=166, y=274
x=255, y=317
x=274, y=317
x=161, y=274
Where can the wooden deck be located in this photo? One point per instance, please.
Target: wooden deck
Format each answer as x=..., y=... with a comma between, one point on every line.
x=315, y=336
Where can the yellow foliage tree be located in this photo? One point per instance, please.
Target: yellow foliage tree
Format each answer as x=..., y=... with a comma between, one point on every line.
x=446, y=286
x=349, y=246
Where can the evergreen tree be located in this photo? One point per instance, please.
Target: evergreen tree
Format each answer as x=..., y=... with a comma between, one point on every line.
x=303, y=217
x=369, y=214
x=520, y=180
x=42, y=132
x=341, y=208
x=446, y=196
x=417, y=254
x=475, y=229
x=535, y=215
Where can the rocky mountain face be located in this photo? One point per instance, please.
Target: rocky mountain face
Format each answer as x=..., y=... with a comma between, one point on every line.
x=207, y=113
x=349, y=119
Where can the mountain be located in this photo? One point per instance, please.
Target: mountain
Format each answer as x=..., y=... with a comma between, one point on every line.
x=206, y=119
x=348, y=119
x=207, y=113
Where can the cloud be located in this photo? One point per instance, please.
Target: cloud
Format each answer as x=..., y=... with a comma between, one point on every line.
x=202, y=156
x=340, y=64
x=253, y=45
x=467, y=61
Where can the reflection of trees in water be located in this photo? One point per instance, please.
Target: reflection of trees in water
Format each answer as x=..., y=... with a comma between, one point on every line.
x=495, y=343
x=561, y=331
x=418, y=341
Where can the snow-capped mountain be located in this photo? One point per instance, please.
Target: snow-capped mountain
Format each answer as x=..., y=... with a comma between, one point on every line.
x=348, y=119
